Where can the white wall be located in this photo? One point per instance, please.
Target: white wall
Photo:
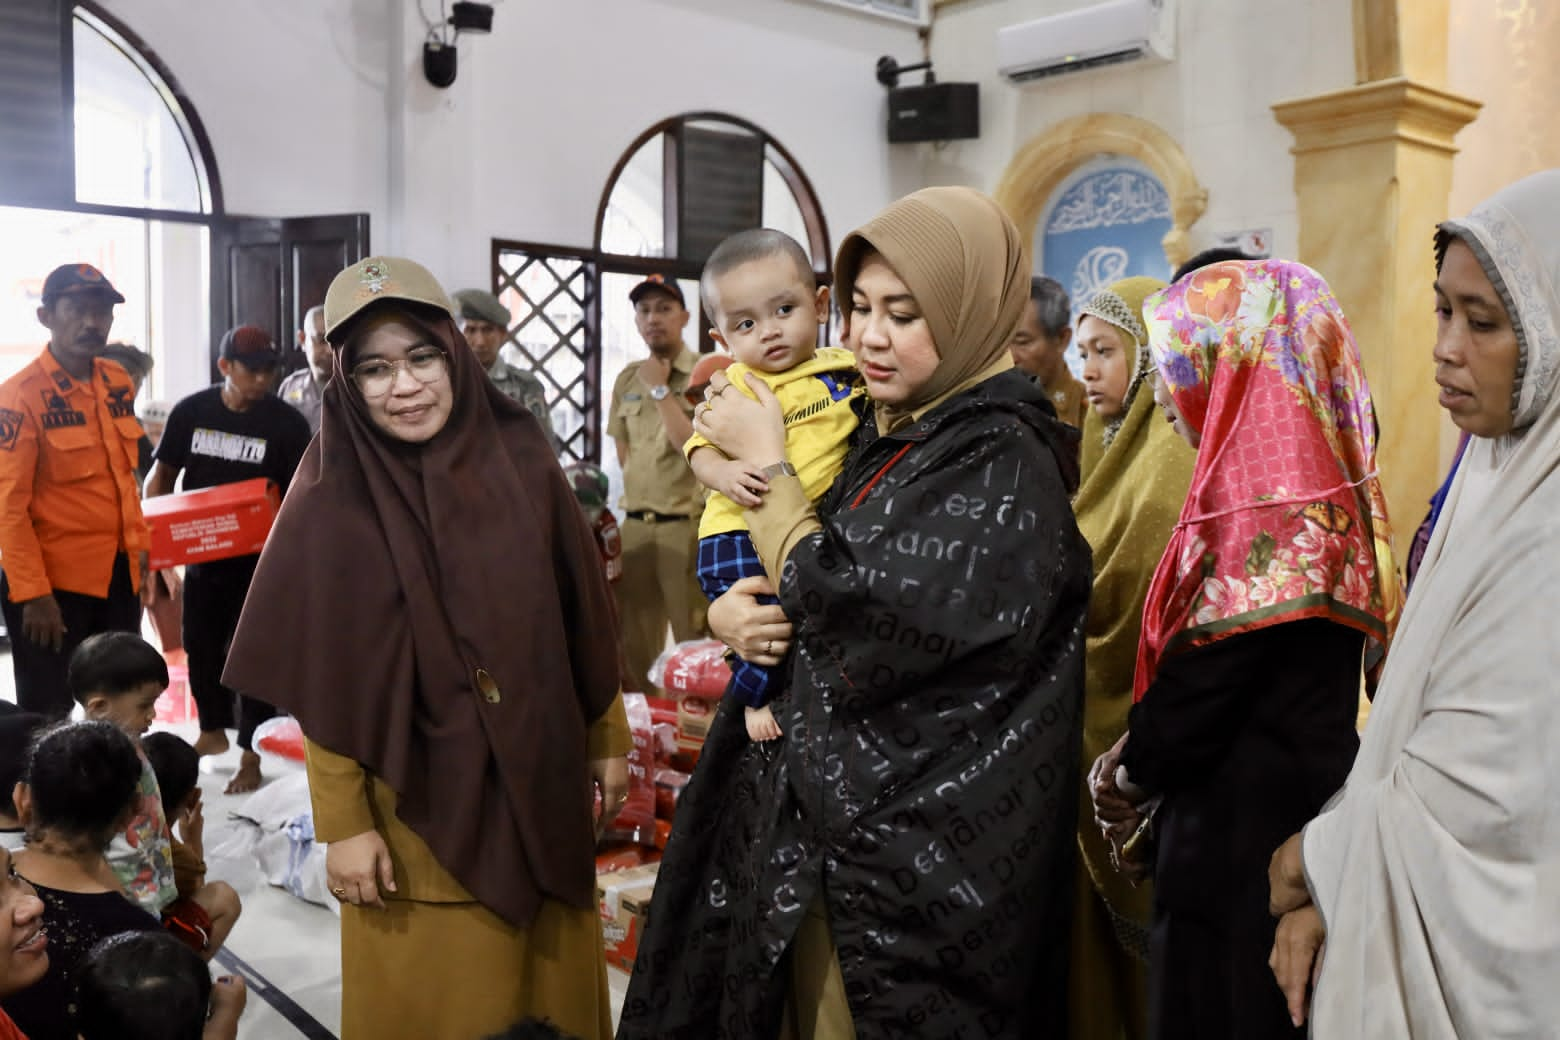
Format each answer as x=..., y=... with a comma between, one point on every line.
x=1234, y=59
x=292, y=93
x=320, y=106
x=522, y=144
x=293, y=96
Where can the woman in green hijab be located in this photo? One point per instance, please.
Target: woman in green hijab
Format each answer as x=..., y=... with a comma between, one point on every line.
x=1135, y=475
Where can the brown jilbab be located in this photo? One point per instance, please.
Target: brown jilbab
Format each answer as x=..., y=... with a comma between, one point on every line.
x=438, y=613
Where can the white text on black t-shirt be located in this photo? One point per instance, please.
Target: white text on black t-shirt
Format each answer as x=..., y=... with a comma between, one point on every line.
x=229, y=446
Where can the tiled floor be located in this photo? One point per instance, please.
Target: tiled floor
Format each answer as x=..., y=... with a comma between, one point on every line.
x=293, y=946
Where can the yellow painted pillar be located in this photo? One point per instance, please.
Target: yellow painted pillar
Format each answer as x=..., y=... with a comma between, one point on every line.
x=1373, y=175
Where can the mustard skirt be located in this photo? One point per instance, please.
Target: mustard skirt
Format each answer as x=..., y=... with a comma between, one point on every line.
x=456, y=971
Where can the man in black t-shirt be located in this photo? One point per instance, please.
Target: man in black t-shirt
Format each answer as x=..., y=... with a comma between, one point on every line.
x=230, y=432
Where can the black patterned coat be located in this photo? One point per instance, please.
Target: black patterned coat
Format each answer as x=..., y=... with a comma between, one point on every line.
x=924, y=788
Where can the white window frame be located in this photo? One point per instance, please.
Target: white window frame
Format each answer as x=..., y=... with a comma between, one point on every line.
x=909, y=12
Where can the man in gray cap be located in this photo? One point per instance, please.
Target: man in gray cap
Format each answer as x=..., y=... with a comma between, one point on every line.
x=485, y=324
x=302, y=389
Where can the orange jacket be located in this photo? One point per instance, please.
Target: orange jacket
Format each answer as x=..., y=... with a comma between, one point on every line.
x=68, y=499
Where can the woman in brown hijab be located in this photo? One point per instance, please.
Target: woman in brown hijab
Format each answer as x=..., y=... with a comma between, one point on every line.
x=900, y=862
x=431, y=607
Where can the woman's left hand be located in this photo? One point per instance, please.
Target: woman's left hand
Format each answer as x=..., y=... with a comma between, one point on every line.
x=1286, y=879
x=1298, y=947
x=1111, y=806
x=745, y=429
x=612, y=775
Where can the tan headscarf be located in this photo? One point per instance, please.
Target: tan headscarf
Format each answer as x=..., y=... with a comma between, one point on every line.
x=1121, y=304
x=1134, y=484
x=963, y=259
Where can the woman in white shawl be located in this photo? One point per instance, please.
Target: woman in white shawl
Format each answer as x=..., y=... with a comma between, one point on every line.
x=1434, y=874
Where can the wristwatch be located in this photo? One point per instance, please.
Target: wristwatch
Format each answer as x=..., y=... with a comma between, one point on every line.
x=658, y=393
x=777, y=469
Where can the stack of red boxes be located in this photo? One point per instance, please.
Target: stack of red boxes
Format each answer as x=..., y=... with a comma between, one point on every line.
x=668, y=734
x=176, y=704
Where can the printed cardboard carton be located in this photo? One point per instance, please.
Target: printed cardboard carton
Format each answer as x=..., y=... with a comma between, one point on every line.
x=211, y=524
x=624, y=898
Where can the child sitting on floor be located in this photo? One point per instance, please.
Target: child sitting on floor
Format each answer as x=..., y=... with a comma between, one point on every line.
x=17, y=731
x=765, y=304
x=150, y=986
x=78, y=792
x=117, y=677
x=177, y=766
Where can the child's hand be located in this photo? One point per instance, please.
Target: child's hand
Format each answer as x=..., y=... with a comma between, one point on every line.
x=192, y=826
x=761, y=724
x=228, y=995
x=743, y=484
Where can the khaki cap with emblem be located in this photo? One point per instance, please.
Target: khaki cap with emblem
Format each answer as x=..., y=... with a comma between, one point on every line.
x=377, y=278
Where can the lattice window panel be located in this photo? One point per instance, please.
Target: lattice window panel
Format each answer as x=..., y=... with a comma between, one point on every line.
x=551, y=301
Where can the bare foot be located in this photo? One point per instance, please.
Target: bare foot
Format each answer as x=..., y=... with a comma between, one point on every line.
x=211, y=742
x=248, y=776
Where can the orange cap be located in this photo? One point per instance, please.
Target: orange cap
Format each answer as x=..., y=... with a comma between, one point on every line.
x=707, y=366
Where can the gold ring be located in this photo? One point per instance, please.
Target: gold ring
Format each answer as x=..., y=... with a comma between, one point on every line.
x=769, y=646
x=339, y=893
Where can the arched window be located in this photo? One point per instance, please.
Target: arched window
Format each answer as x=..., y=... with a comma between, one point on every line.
x=134, y=145
x=677, y=190
x=725, y=174
x=140, y=206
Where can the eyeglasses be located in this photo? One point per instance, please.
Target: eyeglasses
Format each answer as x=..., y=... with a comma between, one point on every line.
x=376, y=377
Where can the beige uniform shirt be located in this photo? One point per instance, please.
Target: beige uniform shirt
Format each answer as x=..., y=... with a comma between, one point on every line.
x=1069, y=397
x=656, y=477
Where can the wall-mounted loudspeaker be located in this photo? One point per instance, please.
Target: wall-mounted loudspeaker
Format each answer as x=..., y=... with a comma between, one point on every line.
x=934, y=112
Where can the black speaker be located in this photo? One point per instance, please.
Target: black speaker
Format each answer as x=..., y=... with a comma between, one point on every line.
x=472, y=18
x=934, y=112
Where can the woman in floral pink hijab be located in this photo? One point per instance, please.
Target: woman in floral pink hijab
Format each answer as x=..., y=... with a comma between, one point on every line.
x=1249, y=666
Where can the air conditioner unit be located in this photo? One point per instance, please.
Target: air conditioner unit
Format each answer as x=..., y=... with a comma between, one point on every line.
x=1111, y=32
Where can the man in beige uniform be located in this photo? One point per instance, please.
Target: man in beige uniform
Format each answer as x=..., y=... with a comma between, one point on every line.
x=650, y=421
x=1039, y=347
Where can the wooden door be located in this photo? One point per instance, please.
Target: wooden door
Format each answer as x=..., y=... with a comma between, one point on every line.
x=268, y=271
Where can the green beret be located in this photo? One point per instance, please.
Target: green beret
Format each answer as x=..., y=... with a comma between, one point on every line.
x=476, y=305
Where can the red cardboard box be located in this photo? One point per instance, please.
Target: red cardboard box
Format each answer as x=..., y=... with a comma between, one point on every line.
x=669, y=784
x=694, y=715
x=176, y=704
x=212, y=523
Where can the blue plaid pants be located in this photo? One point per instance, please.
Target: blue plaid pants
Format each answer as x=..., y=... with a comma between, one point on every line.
x=724, y=560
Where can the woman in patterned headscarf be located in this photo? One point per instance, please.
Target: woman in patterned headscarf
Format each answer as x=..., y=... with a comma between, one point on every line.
x=1249, y=666
x=1436, y=870
x=1135, y=474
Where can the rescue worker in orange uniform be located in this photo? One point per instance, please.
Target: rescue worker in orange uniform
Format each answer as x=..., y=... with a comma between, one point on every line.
x=73, y=543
